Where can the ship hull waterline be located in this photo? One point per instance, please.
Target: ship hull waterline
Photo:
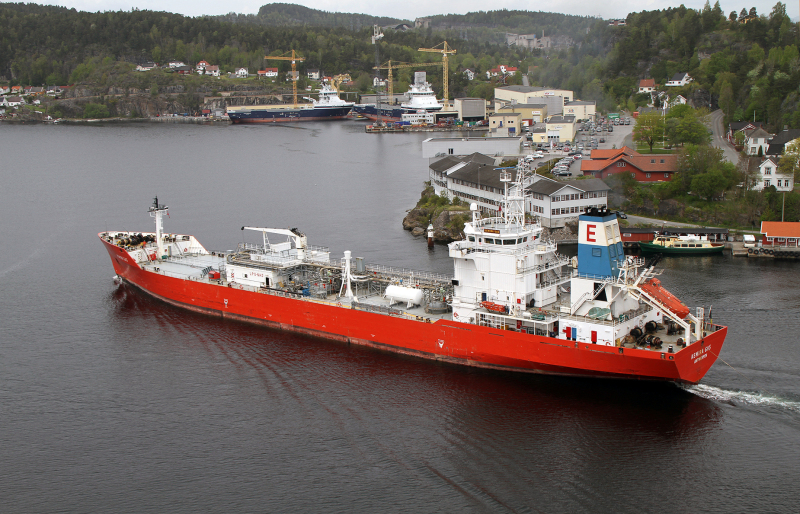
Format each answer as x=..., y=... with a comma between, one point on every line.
x=288, y=115
x=443, y=340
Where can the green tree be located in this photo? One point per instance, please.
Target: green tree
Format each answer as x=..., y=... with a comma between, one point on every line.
x=94, y=111
x=709, y=185
x=649, y=128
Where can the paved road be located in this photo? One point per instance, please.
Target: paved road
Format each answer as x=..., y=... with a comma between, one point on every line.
x=718, y=137
x=635, y=220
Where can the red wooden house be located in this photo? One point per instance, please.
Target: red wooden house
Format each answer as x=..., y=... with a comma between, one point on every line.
x=644, y=168
x=780, y=233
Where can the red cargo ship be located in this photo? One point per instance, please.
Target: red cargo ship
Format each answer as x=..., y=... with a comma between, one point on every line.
x=586, y=318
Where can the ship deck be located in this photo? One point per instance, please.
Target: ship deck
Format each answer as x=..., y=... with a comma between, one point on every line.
x=196, y=266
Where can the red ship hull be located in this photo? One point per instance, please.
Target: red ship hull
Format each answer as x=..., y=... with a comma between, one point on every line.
x=443, y=340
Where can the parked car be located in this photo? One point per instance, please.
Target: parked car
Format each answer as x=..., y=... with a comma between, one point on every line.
x=538, y=155
x=574, y=153
x=602, y=140
x=621, y=215
x=577, y=156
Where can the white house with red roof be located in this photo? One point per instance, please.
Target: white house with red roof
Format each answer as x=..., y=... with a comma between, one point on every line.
x=201, y=67
x=647, y=85
x=780, y=233
x=269, y=73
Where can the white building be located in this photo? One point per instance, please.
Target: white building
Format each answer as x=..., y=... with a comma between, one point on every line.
x=496, y=146
x=470, y=74
x=770, y=176
x=557, y=202
x=12, y=101
x=755, y=140
x=679, y=79
x=242, y=73
x=476, y=179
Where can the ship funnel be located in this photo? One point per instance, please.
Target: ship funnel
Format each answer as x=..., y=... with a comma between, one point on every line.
x=600, y=251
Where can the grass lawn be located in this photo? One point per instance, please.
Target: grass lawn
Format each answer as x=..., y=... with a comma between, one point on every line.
x=657, y=148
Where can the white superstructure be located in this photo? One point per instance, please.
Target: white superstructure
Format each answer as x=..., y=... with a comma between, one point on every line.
x=508, y=275
x=420, y=95
x=329, y=97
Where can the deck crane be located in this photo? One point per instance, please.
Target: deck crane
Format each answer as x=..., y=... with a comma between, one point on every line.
x=389, y=66
x=445, y=51
x=294, y=58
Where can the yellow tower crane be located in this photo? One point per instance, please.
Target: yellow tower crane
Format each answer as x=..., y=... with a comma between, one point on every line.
x=445, y=51
x=294, y=58
x=389, y=66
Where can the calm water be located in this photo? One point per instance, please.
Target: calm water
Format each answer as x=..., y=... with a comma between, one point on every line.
x=112, y=402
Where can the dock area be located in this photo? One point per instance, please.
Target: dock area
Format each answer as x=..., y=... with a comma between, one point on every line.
x=738, y=249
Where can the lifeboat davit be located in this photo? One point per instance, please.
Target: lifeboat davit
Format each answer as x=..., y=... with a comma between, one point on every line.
x=654, y=289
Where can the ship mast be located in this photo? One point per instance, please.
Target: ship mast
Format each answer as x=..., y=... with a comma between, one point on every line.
x=514, y=195
x=157, y=211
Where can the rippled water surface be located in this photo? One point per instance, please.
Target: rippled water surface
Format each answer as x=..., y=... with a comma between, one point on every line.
x=114, y=402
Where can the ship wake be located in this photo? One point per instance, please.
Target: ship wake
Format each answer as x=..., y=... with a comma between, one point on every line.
x=743, y=397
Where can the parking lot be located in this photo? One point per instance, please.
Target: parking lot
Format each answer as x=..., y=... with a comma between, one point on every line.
x=621, y=136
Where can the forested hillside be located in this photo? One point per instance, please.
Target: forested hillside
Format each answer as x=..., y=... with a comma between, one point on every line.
x=749, y=67
x=744, y=62
x=291, y=15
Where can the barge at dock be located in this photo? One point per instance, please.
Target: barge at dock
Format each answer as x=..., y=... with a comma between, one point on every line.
x=512, y=304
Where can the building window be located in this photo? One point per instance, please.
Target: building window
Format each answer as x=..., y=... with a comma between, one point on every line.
x=767, y=171
x=648, y=175
x=779, y=182
x=450, y=151
x=633, y=175
x=652, y=161
x=666, y=175
x=621, y=164
x=662, y=161
x=766, y=183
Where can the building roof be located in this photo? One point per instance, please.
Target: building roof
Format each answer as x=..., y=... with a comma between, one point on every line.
x=740, y=125
x=452, y=161
x=643, y=162
x=778, y=143
x=580, y=102
x=548, y=186
x=647, y=83
x=759, y=132
x=523, y=89
x=613, y=152
x=772, y=160
x=524, y=106
x=784, y=136
x=780, y=228
x=679, y=76
x=445, y=163
x=479, y=173
x=569, y=118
